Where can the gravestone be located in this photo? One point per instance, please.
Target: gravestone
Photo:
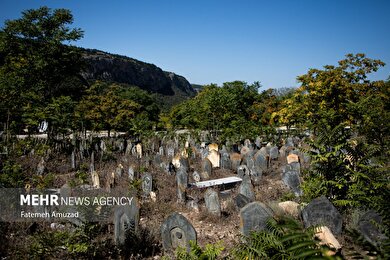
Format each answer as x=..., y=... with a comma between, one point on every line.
x=95, y=180
x=176, y=161
x=289, y=142
x=182, y=184
x=255, y=175
x=368, y=226
x=235, y=159
x=290, y=177
x=291, y=158
x=246, y=188
x=206, y=169
x=126, y=219
x=254, y=217
x=241, y=200
x=263, y=151
x=73, y=160
x=147, y=184
x=225, y=161
x=161, y=151
x=245, y=150
x=177, y=231
x=214, y=158
x=260, y=161
x=41, y=167
x=196, y=176
x=119, y=171
x=170, y=152
x=243, y=170
x=130, y=173
x=139, y=150
x=258, y=142
x=321, y=212
x=211, y=199
x=103, y=146
x=128, y=147
x=213, y=146
x=274, y=153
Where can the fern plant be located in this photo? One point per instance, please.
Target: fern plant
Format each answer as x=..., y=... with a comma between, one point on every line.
x=284, y=238
x=210, y=252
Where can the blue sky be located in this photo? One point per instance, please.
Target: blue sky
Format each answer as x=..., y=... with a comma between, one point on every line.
x=218, y=41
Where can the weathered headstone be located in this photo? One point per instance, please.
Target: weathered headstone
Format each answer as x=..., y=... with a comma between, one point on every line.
x=196, y=176
x=170, y=151
x=258, y=142
x=241, y=200
x=147, y=184
x=103, y=146
x=182, y=184
x=206, y=169
x=263, y=151
x=128, y=148
x=254, y=217
x=225, y=161
x=95, y=179
x=177, y=231
x=73, y=160
x=213, y=146
x=368, y=225
x=130, y=173
x=119, y=171
x=161, y=151
x=214, y=158
x=41, y=167
x=235, y=159
x=321, y=212
x=139, y=150
x=274, y=153
x=126, y=219
x=261, y=163
x=246, y=188
x=243, y=170
x=290, y=177
x=211, y=199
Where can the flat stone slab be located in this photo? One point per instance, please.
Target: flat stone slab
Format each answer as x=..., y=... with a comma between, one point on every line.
x=254, y=217
x=216, y=182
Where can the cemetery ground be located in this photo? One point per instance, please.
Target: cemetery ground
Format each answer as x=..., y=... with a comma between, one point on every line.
x=150, y=173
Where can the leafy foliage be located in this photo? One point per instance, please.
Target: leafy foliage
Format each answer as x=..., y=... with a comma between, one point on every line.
x=285, y=238
x=210, y=252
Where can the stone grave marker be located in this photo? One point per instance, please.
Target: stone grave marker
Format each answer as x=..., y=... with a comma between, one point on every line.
x=196, y=176
x=246, y=188
x=177, y=231
x=130, y=173
x=321, y=212
x=161, y=151
x=290, y=177
x=235, y=159
x=213, y=146
x=119, y=171
x=368, y=225
x=147, y=184
x=139, y=150
x=129, y=146
x=263, y=151
x=126, y=219
x=243, y=170
x=211, y=199
x=214, y=158
x=260, y=161
x=103, y=146
x=206, y=169
x=241, y=200
x=170, y=152
x=274, y=153
x=95, y=180
x=258, y=142
x=254, y=217
x=225, y=161
x=41, y=167
x=182, y=184
x=73, y=160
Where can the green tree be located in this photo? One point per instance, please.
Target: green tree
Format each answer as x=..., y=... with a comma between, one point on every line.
x=325, y=95
x=36, y=65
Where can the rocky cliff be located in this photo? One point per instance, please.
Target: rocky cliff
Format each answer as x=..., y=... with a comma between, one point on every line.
x=121, y=69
